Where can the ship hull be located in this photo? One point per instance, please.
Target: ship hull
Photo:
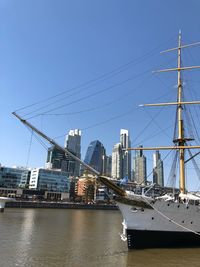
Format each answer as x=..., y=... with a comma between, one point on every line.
x=160, y=224
x=141, y=239
x=3, y=201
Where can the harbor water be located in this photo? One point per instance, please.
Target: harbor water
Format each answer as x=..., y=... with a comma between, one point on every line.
x=77, y=238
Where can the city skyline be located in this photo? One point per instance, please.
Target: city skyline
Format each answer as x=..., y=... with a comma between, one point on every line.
x=95, y=155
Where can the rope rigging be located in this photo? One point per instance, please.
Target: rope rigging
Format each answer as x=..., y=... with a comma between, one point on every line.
x=170, y=219
x=87, y=96
x=104, y=76
x=196, y=167
x=29, y=149
x=124, y=95
x=171, y=182
x=158, y=165
x=39, y=139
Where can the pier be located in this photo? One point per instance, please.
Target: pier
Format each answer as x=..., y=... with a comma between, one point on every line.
x=59, y=205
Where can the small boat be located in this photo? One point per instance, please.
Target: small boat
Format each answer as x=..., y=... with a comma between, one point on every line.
x=3, y=201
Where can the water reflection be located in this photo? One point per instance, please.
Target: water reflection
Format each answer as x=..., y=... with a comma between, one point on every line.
x=77, y=238
x=164, y=257
x=23, y=243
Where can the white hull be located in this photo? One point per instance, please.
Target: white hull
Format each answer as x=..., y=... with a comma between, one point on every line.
x=162, y=218
x=3, y=201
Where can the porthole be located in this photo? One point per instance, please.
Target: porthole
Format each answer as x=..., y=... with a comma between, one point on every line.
x=134, y=209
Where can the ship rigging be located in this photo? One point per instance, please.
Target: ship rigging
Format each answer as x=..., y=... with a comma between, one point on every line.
x=167, y=220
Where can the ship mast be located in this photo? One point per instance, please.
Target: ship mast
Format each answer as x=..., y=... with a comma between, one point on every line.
x=181, y=140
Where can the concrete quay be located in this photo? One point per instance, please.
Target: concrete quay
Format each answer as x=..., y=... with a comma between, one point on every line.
x=59, y=205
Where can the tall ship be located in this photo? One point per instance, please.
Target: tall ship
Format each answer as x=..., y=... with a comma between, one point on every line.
x=169, y=220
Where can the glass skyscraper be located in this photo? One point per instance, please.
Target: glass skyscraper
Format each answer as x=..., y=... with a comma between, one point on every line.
x=12, y=177
x=107, y=164
x=158, y=175
x=73, y=144
x=95, y=155
x=57, y=159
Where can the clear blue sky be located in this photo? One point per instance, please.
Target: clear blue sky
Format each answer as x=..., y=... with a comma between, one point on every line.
x=50, y=46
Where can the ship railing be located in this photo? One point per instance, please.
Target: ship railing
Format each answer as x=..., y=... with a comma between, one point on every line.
x=149, y=187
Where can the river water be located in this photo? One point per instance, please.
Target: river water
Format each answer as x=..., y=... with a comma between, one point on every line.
x=77, y=238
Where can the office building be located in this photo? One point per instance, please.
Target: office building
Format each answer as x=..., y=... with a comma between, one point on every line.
x=117, y=161
x=49, y=180
x=107, y=165
x=121, y=158
x=73, y=144
x=126, y=154
x=14, y=177
x=95, y=155
x=139, y=168
x=56, y=159
x=158, y=175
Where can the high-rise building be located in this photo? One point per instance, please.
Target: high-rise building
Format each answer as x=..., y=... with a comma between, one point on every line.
x=95, y=155
x=73, y=144
x=117, y=161
x=107, y=164
x=57, y=159
x=158, y=175
x=139, y=167
x=121, y=158
x=126, y=154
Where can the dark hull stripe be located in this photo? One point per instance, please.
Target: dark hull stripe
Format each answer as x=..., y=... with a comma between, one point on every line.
x=159, y=239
